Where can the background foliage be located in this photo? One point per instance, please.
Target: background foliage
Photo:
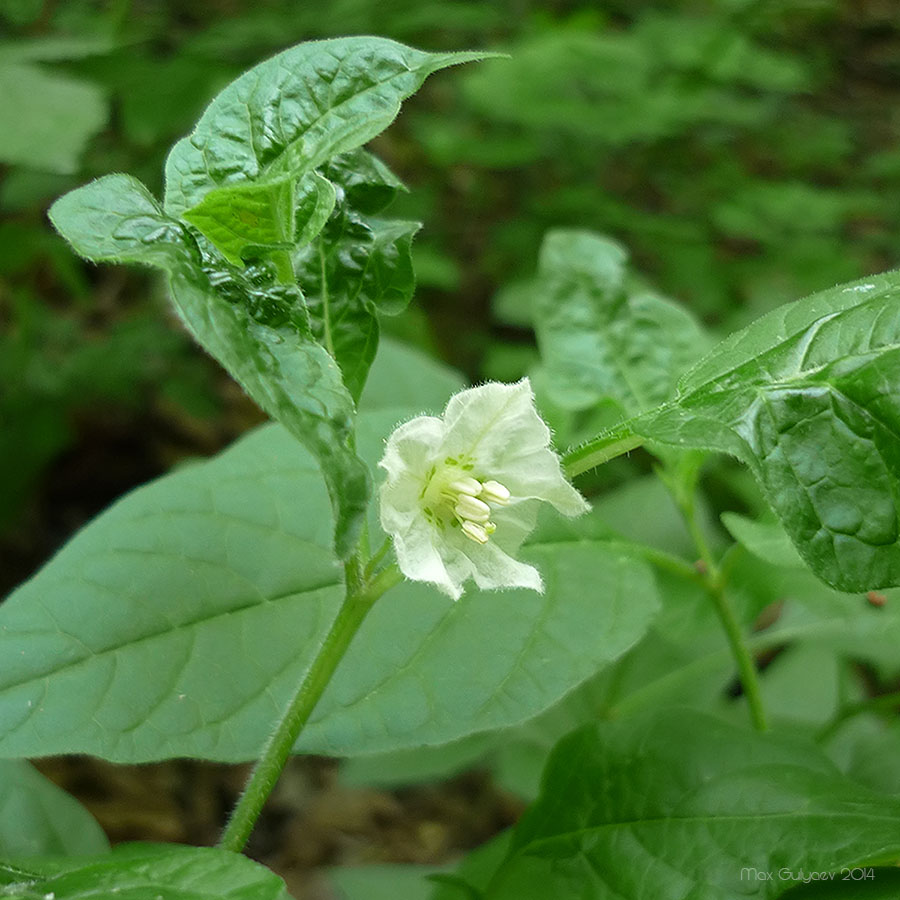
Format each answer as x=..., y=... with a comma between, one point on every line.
x=745, y=156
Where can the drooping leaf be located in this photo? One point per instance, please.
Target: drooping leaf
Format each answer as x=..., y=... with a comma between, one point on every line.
x=39, y=819
x=139, y=871
x=680, y=804
x=258, y=329
x=809, y=397
x=220, y=576
x=295, y=111
x=600, y=338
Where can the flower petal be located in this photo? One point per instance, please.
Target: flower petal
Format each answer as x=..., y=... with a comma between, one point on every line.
x=419, y=559
x=408, y=456
x=498, y=425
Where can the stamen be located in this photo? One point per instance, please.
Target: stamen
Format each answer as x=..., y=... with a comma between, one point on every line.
x=468, y=486
x=472, y=509
x=494, y=492
x=475, y=532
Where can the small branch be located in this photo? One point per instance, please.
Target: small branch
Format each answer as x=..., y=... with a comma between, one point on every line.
x=601, y=449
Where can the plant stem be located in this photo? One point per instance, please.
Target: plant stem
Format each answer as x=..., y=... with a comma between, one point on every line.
x=601, y=449
x=714, y=583
x=360, y=597
x=746, y=665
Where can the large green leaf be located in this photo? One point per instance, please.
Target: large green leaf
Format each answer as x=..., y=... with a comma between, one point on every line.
x=600, y=338
x=809, y=397
x=682, y=805
x=219, y=579
x=295, y=111
x=258, y=329
x=144, y=871
x=39, y=819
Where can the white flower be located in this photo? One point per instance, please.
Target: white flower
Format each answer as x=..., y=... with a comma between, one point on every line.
x=462, y=492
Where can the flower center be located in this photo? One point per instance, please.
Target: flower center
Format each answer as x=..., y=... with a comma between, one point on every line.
x=453, y=497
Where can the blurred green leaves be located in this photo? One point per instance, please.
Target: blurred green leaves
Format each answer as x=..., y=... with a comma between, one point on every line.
x=46, y=119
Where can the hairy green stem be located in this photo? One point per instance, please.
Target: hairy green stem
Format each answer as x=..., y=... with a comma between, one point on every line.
x=601, y=449
x=360, y=596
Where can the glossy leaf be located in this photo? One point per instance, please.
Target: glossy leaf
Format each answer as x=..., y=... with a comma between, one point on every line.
x=142, y=871
x=256, y=328
x=357, y=266
x=37, y=818
x=600, y=338
x=680, y=805
x=293, y=112
x=808, y=396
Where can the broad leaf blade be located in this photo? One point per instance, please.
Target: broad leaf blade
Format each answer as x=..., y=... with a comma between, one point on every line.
x=141, y=871
x=222, y=576
x=256, y=328
x=292, y=113
x=809, y=398
x=684, y=805
x=39, y=819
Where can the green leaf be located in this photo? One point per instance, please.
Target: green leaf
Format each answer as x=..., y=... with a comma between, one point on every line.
x=356, y=268
x=220, y=577
x=247, y=215
x=295, y=111
x=601, y=339
x=46, y=119
x=142, y=871
x=256, y=328
x=809, y=397
x=680, y=804
x=38, y=819
x=767, y=540
x=116, y=219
